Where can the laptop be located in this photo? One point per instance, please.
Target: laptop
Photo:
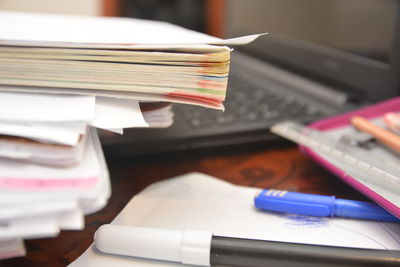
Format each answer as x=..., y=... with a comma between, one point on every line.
x=319, y=59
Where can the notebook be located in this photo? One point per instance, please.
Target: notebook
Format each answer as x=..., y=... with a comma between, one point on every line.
x=45, y=53
x=319, y=59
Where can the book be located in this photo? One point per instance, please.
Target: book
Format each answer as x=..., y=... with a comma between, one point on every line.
x=105, y=56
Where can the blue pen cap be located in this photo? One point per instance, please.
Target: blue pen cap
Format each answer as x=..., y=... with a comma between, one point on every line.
x=298, y=203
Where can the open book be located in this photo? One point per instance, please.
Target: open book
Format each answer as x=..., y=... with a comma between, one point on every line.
x=121, y=57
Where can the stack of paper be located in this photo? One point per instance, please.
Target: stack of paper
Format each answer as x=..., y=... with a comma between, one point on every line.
x=38, y=201
x=122, y=57
x=52, y=170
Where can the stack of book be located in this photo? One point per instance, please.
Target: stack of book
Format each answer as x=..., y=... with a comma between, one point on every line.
x=61, y=77
x=117, y=57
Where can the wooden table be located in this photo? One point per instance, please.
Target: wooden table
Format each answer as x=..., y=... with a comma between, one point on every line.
x=280, y=166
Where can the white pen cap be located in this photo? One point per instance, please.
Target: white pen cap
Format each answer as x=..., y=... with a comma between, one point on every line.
x=188, y=247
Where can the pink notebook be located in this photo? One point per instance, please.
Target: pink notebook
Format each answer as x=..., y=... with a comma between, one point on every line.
x=387, y=198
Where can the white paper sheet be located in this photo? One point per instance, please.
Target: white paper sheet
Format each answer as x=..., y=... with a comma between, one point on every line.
x=43, y=153
x=39, y=225
x=9, y=212
x=89, y=184
x=24, y=107
x=87, y=168
x=12, y=248
x=200, y=202
x=36, y=227
x=28, y=28
x=104, y=93
x=67, y=133
x=72, y=220
x=163, y=117
x=42, y=226
x=115, y=113
x=101, y=112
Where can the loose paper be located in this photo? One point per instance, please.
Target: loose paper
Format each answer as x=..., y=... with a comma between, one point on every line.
x=200, y=202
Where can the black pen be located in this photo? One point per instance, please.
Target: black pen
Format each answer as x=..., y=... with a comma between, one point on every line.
x=204, y=249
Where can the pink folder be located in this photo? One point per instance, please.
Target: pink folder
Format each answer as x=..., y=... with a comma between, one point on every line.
x=328, y=124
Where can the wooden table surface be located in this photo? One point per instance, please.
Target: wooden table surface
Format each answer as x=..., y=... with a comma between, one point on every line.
x=280, y=166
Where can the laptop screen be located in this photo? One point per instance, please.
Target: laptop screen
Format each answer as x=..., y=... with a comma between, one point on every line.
x=349, y=44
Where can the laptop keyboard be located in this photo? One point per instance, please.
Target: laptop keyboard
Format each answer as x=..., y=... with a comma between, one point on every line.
x=247, y=102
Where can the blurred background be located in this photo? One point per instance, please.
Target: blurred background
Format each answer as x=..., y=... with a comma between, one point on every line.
x=312, y=20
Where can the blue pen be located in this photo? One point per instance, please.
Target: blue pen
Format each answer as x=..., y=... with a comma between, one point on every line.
x=319, y=205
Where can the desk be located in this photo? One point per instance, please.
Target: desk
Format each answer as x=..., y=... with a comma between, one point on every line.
x=280, y=166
